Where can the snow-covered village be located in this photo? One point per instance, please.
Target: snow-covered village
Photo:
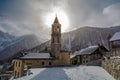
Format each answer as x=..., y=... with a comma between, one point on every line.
x=59, y=40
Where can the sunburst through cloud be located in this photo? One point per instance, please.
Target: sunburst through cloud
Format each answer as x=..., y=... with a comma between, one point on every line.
x=62, y=16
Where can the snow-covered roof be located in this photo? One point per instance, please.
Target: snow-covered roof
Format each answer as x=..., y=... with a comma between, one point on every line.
x=37, y=56
x=115, y=37
x=87, y=50
x=73, y=55
x=1, y=66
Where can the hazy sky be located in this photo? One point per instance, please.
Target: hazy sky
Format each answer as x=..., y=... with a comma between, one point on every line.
x=28, y=16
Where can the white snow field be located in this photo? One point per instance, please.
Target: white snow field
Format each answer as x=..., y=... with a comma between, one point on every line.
x=68, y=73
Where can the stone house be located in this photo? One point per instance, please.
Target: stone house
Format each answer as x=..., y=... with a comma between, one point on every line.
x=112, y=66
x=111, y=63
x=114, y=45
x=88, y=54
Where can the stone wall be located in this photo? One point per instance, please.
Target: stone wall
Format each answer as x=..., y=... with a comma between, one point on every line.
x=18, y=68
x=112, y=66
x=64, y=58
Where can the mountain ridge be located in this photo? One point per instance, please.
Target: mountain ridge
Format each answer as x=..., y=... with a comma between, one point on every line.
x=82, y=38
x=71, y=41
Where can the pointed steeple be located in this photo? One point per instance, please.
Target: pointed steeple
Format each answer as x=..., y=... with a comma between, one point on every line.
x=56, y=20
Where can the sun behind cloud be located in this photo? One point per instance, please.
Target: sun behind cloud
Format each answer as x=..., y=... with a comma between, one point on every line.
x=62, y=17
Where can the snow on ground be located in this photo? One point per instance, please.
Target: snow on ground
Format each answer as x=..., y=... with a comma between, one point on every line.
x=68, y=73
x=35, y=72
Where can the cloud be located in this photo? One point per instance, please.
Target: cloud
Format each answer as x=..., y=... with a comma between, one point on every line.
x=24, y=19
x=113, y=13
x=90, y=12
x=28, y=16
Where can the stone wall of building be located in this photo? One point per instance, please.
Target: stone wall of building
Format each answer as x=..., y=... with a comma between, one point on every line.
x=114, y=48
x=64, y=58
x=112, y=66
x=85, y=58
x=39, y=63
x=18, y=68
x=21, y=64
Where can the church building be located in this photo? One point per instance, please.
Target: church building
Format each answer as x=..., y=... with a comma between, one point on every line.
x=55, y=57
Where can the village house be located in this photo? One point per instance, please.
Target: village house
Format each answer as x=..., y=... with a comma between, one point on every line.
x=111, y=63
x=88, y=55
x=55, y=57
x=114, y=43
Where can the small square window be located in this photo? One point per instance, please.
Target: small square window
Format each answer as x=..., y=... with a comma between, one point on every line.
x=43, y=63
x=50, y=63
x=86, y=61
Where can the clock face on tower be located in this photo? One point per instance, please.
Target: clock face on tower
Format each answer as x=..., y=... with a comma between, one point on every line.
x=56, y=29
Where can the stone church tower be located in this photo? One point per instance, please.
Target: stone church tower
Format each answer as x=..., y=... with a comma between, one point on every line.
x=56, y=38
x=60, y=58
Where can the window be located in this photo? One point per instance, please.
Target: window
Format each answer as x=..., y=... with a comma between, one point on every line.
x=19, y=64
x=43, y=63
x=16, y=63
x=86, y=61
x=83, y=61
x=50, y=63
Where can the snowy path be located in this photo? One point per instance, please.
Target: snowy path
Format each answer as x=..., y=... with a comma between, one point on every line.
x=69, y=73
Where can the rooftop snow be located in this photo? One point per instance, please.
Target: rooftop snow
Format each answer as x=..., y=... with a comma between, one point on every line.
x=73, y=55
x=115, y=37
x=68, y=73
x=87, y=50
x=1, y=66
x=37, y=56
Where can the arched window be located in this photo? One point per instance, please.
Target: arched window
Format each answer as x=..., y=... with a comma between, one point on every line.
x=16, y=63
x=19, y=64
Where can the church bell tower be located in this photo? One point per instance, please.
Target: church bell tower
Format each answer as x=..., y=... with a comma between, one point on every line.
x=56, y=37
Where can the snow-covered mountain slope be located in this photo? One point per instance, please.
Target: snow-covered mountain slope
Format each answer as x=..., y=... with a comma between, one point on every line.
x=5, y=39
x=68, y=73
x=72, y=41
x=82, y=38
x=23, y=42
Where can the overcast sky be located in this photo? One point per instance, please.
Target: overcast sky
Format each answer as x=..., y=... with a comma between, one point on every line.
x=28, y=16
